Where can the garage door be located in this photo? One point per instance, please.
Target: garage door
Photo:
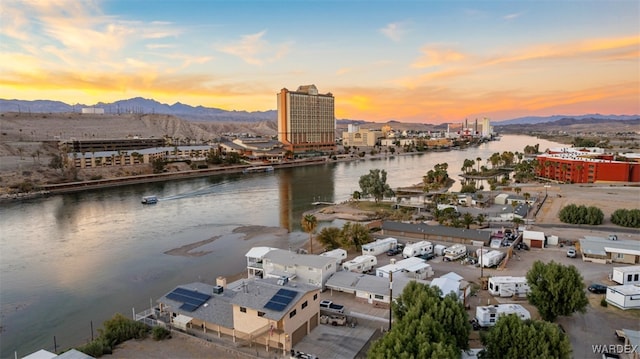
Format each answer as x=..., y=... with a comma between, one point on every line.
x=299, y=333
x=536, y=244
x=313, y=322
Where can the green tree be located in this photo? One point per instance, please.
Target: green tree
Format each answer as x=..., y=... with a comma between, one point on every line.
x=556, y=290
x=355, y=235
x=158, y=165
x=468, y=219
x=309, y=224
x=425, y=326
x=375, y=184
x=330, y=237
x=56, y=162
x=515, y=338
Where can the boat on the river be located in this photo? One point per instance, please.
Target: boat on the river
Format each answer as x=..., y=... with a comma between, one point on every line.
x=149, y=200
x=256, y=169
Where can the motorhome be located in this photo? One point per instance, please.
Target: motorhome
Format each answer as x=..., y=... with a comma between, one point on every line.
x=339, y=254
x=487, y=316
x=455, y=252
x=508, y=286
x=491, y=259
x=379, y=246
x=360, y=264
x=417, y=249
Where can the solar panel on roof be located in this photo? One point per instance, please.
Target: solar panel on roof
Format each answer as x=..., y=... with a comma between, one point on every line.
x=287, y=293
x=281, y=300
x=191, y=300
x=275, y=306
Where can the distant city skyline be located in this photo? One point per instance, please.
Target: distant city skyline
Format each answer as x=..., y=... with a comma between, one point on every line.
x=410, y=61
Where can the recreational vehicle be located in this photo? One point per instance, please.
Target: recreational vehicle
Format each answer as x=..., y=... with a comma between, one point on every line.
x=379, y=246
x=491, y=259
x=487, y=316
x=508, y=286
x=438, y=249
x=626, y=275
x=455, y=252
x=339, y=254
x=417, y=249
x=360, y=264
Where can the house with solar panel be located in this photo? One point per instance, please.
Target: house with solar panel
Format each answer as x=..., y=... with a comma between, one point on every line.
x=269, y=311
x=286, y=265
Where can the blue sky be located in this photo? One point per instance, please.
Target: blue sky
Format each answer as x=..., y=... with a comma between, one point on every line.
x=410, y=61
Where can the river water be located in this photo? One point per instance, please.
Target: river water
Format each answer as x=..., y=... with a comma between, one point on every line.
x=69, y=262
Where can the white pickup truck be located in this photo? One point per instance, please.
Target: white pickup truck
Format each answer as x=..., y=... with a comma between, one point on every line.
x=330, y=306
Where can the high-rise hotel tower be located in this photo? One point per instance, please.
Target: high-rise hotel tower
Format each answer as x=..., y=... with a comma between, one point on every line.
x=306, y=120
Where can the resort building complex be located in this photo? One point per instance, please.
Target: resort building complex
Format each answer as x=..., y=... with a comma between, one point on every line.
x=306, y=120
x=588, y=165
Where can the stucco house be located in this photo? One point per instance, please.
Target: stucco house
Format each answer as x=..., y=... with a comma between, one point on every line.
x=255, y=311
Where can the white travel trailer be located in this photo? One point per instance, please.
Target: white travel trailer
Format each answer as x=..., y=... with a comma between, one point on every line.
x=417, y=249
x=626, y=275
x=360, y=264
x=455, y=252
x=438, y=249
x=339, y=254
x=508, y=286
x=491, y=259
x=379, y=246
x=487, y=316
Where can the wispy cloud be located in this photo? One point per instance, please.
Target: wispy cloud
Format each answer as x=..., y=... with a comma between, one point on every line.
x=255, y=50
x=394, y=31
x=513, y=16
x=435, y=55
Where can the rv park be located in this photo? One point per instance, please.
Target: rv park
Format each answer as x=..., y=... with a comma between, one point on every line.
x=366, y=322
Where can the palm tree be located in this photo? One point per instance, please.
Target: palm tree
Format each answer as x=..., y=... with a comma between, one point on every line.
x=309, y=224
x=468, y=220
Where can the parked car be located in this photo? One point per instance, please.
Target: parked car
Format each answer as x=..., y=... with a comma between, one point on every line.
x=597, y=288
x=394, y=251
x=571, y=252
x=427, y=256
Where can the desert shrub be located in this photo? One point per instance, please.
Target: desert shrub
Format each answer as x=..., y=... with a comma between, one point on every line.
x=581, y=215
x=116, y=330
x=603, y=302
x=626, y=217
x=160, y=333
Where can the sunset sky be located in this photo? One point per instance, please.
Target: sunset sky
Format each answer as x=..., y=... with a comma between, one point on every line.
x=411, y=61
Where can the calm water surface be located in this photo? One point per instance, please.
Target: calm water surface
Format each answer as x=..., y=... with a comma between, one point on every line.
x=70, y=261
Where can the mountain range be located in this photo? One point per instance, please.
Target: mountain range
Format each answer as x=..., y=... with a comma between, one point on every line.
x=199, y=113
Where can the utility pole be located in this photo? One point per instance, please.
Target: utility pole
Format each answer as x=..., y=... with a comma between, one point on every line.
x=390, y=296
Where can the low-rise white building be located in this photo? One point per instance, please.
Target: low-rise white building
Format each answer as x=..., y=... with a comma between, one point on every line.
x=626, y=275
x=452, y=283
x=302, y=268
x=534, y=239
x=412, y=267
x=602, y=250
x=370, y=289
x=624, y=296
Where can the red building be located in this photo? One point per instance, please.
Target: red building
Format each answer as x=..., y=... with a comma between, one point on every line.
x=586, y=167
